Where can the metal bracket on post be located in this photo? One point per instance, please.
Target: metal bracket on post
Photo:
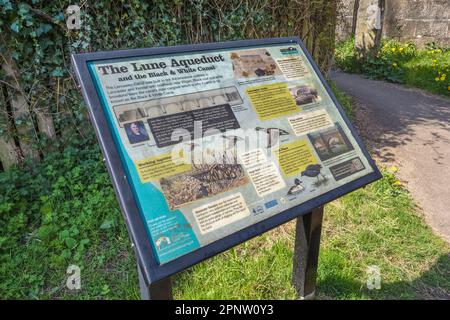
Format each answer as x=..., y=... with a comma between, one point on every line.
x=306, y=253
x=161, y=290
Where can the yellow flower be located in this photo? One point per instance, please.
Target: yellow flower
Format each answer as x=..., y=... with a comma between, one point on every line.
x=448, y=88
x=435, y=61
x=393, y=49
x=397, y=183
x=438, y=50
x=394, y=65
x=437, y=78
x=393, y=169
x=443, y=77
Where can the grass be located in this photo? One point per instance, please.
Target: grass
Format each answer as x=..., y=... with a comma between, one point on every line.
x=376, y=225
x=421, y=68
x=63, y=212
x=345, y=100
x=426, y=68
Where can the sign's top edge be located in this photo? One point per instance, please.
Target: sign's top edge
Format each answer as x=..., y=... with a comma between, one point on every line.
x=126, y=53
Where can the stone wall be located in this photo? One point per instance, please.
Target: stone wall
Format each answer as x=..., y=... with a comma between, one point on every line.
x=420, y=21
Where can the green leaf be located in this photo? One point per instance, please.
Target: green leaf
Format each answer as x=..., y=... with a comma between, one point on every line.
x=65, y=254
x=107, y=224
x=59, y=16
x=82, y=245
x=65, y=234
x=58, y=72
x=70, y=243
x=43, y=28
x=46, y=209
x=15, y=26
x=6, y=4
x=23, y=9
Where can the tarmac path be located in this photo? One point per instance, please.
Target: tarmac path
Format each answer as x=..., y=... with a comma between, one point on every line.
x=410, y=129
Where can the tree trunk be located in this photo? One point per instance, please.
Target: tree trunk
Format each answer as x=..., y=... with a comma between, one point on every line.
x=23, y=121
x=8, y=152
x=44, y=117
x=355, y=17
x=368, y=28
x=45, y=123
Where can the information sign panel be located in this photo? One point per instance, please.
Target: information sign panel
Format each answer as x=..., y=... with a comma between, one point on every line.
x=209, y=145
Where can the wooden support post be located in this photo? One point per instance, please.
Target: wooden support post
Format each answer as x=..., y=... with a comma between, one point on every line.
x=306, y=256
x=161, y=290
x=306, y=253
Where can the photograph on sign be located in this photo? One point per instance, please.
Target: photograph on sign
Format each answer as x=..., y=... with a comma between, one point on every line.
x=215, y=141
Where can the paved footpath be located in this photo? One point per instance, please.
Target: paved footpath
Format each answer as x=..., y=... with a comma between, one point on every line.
x=410, y=129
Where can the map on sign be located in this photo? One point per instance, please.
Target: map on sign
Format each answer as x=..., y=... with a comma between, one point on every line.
x=215, y=141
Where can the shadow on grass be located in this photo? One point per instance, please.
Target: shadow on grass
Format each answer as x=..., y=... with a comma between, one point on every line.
x=433, y=284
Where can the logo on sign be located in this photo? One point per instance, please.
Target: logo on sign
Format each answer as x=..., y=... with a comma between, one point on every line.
x=258, y=210
x=289, y=51
x=271, y=204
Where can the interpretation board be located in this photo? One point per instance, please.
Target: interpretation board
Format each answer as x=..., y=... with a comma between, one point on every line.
x=209, y=145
